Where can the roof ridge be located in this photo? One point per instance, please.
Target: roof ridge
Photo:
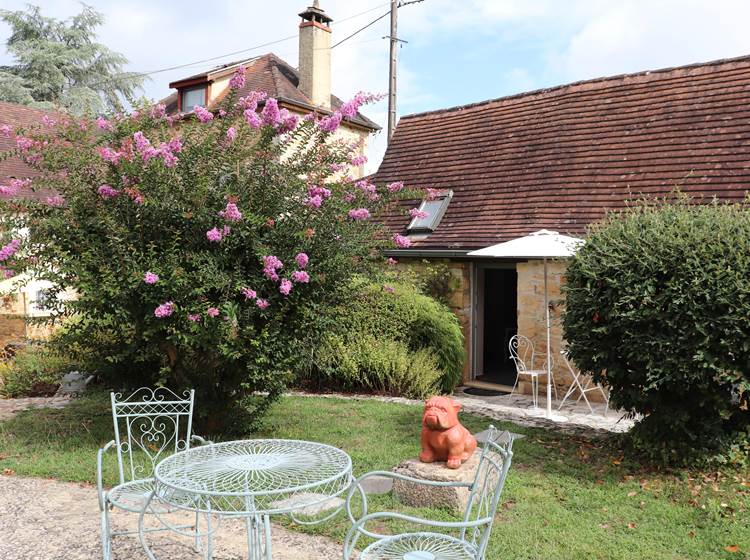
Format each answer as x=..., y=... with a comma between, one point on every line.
x=601, y=79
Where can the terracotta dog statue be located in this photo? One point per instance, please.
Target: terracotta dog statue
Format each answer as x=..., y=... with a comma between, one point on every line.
x=443, y=436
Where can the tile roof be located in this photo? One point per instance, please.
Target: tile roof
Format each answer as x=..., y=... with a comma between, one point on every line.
x=560, y=158
x=270, y=74
x=19, y=116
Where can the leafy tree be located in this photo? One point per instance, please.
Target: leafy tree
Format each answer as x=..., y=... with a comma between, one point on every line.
x=203, y=252
x=59, y=63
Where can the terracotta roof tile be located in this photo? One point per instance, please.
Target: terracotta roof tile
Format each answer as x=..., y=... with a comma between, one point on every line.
x=560, y=158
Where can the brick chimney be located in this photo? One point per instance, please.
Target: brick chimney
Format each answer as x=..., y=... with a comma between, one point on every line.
x=315, y=55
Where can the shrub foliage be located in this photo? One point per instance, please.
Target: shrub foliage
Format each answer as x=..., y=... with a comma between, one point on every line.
x=658, y=308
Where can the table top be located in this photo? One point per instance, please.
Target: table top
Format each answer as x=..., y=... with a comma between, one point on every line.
x=260, y=475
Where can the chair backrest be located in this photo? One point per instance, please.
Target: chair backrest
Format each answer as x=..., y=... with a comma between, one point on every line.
x=521, y=352
x=487, y=487
x=150, y=424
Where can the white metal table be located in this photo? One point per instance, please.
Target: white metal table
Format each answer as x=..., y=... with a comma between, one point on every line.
x=250, y=479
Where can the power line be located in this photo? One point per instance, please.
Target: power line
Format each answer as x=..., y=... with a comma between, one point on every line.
x=361, y=29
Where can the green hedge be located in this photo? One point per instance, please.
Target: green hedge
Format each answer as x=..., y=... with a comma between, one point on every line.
x=399, y=313
x=34, y=371
x=658, y=307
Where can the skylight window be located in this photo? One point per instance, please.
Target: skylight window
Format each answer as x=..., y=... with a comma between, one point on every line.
x=435, y=209
x=193, y=96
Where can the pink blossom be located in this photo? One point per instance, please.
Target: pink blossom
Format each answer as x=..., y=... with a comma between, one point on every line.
x=432, y=194
x=48, y=122
x=13, y=187
x=104, y=124
x=249, y=293
x=138, y=199
x=203, y=114
x=175, y=145
x=170, y=160
x=6, y=130
x=141, y=142
x=238, y=79
x=194, y=317
x=231, y=213
x=135, y=114
x=250, y=101
x=287, y=122
x=359, y=213
x=262, y=303
x=110, y=155
x=56, y=201
x=222, y=113
x=401, y=241
x=252, y=118
x=165, y=309
x=24, y=144
x=285, y=287
x=300, y=277
x=106, y=191
x=226, y=230
x=270, y=114
x=336, y=167
x=315, y=201
x=350, y=108
x=319, y=191
x=271, y=264
x=214, y=235
x=391, y=261
x=359, y=160
x=212, y=312
x=158, y=111
x=395, y=187
x=418, y=214
x=231, y=134
x=389, y=289
x=330, y=124
x=302, y=259
x=10, y=249
x=150, y=278
x=366, y=186
x=349, y=197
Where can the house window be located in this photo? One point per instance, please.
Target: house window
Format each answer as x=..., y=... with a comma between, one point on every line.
x=435, y=210
x=193, y=96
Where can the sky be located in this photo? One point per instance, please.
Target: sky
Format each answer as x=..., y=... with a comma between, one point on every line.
x=455, y=52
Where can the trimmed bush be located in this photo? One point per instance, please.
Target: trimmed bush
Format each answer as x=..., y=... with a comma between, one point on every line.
x=378, y=365
x=658, y=308
x=398, y=312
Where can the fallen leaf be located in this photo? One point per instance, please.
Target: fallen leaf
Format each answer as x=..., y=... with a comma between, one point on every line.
x=732, y=548
x=691, y=534
x=604, y=525
x=616, y=461
x=632, y=525
x=9, y=472
x=631, y=494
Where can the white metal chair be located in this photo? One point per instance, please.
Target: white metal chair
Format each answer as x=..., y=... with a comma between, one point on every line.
x=473, y=531
x=149, y=425
x=523, y=356
x=582, y=388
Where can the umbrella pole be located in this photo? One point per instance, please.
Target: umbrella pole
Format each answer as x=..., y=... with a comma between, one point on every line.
x=549, y=350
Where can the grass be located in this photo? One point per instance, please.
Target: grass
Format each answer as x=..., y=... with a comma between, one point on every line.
x=566, y=497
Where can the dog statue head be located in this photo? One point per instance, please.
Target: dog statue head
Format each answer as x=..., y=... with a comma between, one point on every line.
x=440, y=413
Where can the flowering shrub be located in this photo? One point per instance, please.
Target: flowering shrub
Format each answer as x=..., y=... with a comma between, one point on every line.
x=201, y=248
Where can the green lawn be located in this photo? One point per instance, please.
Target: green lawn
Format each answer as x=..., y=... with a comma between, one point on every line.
x=566, y=497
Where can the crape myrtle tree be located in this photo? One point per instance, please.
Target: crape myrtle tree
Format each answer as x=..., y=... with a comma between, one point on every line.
x=204, y=250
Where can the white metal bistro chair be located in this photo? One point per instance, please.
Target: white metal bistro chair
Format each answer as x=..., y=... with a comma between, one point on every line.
x=473, y=531
x=523, y=356
x=149, y=425
x=587, y=386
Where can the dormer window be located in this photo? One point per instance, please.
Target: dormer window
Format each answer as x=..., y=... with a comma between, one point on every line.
x=192, y=96
x=435, y=209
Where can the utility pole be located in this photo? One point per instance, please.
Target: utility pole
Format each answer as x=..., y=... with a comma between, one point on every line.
x=392, y=71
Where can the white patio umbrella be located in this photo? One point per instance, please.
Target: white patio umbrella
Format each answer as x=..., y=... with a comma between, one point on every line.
x=542, y=244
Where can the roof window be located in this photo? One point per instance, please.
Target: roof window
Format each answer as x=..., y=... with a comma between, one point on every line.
x=435, y=208
x=192, y=96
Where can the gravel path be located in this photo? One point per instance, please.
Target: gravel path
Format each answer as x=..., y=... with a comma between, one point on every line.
x=49, y=520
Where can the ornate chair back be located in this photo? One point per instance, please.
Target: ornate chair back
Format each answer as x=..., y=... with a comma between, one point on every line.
x=149, y=425
x=521, y=352
x=487, y=487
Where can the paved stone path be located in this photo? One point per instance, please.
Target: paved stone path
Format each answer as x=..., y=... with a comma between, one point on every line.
x=49, y=520
x=10, y=407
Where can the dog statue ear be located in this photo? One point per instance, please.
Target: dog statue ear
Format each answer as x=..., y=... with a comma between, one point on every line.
x=456, y=406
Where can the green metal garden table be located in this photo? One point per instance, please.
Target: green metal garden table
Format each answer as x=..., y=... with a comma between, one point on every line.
x=251, y=480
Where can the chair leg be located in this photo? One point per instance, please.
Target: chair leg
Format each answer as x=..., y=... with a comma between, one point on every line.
x=106, y=534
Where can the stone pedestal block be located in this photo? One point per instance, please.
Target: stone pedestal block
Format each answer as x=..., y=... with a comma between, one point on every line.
x=419, y=495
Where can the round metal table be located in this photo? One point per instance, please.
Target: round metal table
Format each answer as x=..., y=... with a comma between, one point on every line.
x=249, y=479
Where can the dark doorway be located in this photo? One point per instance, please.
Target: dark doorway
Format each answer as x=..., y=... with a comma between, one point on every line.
x=500, y=324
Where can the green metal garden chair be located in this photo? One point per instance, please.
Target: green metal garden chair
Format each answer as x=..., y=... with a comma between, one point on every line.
x=473, y=531
x=149, y=425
